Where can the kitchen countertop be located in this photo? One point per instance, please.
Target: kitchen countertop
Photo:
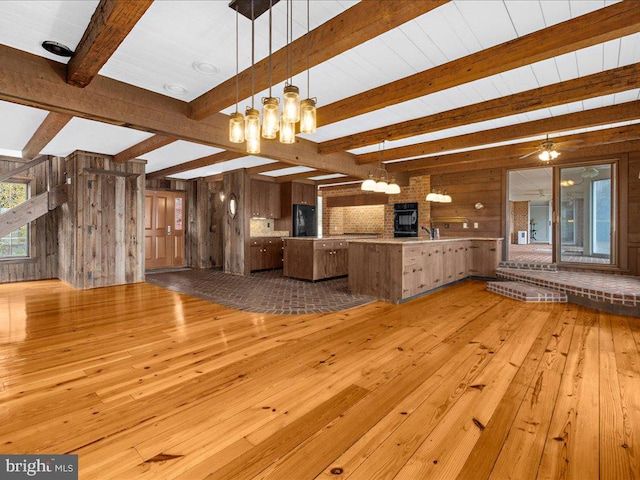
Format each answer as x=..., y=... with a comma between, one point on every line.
x=413, y=240
x=334, y=237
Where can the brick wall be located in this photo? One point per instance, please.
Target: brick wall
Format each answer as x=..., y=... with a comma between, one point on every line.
x=520, y=220
x=364, y=219
x=416, y=192
x=374, y=218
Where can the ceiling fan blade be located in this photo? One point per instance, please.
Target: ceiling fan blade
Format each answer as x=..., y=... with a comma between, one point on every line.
x=573, y=149
x=571, y=142
x=528, y=155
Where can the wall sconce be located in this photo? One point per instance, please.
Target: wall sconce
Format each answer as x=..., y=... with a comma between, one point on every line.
x=479, y=206
x=221, y=195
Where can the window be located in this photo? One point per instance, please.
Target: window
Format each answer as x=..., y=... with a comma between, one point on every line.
x=16, y=244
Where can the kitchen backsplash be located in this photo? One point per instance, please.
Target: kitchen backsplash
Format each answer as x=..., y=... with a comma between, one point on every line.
x=263, y=227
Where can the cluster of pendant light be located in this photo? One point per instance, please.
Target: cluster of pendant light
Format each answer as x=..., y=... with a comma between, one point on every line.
x=380, y=184
x=438, y=197
x=274, y=124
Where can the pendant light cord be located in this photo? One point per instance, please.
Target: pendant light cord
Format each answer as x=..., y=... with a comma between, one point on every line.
x=288, y=45
x=253, y=54
x=270, y=49
x=237, y=87
x=308, y=54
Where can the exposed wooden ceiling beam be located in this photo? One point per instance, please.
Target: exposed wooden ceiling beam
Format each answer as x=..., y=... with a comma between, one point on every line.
x=112, y=21
x=36, y=81
x=358, y=24
x=604, y=83
x=570, y=121
x=605, y=24
x=596, y=151
x=331, y=181
x=300, y=176
x=197, y=163
x=145, y=146
x=269, y=167
x=49, y=128
x=513, y=152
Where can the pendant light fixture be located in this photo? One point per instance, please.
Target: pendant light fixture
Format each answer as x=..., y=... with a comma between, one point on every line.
x=369, y=185
x=252, y=116
x=236, y=120
x=291, y=94
x=438, y=197
x=270, y=105
x=308, y=106
x=381, y=184
x=248, y=127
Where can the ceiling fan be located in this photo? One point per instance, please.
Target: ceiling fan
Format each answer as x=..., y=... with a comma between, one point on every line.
x=538, y=193
x=548, y=149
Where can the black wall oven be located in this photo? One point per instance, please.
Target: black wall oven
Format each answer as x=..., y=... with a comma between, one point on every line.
x=405, y=220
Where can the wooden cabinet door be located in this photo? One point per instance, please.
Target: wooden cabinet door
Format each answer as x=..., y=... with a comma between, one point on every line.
x=272, y=200
x=460, y=260
x=486, y=256
x=255, y=204
x=256, y=257
x=448, y=263
x=341, y=258
x=433, y=271
x=164, y=229
x=303, y=194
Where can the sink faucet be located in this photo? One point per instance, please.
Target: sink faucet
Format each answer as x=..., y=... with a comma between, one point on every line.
x=430, y=232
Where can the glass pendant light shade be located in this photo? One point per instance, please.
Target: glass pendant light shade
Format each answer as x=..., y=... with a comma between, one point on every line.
x=236, y=128
x=252, y=124
x=287, y=131
x=544, y=156
x=252, y=130
x=291, y=106
x=270, y=120
x=446, y=198
x=253, y=146
x=308, y=116
x=369, y=185
x=381, y=186
x=393, y=188
x=431, y=197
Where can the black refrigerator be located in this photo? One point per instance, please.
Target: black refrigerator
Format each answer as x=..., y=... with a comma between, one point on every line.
x=304, y=221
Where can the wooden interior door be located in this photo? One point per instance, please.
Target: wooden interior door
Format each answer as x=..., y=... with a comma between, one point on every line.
x=164, y=240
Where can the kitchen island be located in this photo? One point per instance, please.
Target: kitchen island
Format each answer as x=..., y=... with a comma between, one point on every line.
x=317, y=258
x=396, y=269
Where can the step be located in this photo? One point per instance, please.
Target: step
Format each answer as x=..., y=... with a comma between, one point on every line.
x=545, y=267
x=526, y=292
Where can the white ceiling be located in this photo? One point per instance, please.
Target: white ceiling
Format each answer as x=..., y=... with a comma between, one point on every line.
x=175, y=35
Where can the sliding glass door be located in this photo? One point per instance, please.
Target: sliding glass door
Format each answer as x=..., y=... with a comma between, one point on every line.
x=586, y=217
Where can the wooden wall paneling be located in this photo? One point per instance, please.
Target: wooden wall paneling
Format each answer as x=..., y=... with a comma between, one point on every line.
x=236, y=229
x=633, y=212
x=102, y=222
x=43, y=261
x=467, y=189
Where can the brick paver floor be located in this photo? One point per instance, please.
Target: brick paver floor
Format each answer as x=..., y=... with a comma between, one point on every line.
x=262, y=292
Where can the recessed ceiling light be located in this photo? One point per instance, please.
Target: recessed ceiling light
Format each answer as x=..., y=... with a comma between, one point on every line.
x=205, y=68
x=57, y=48
x=175, y=88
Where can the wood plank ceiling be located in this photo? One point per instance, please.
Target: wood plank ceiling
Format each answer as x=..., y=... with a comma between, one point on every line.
x=446, y=83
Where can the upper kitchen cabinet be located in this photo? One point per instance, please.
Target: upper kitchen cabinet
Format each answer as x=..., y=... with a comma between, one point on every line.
x=265, y=199
x=303, y=194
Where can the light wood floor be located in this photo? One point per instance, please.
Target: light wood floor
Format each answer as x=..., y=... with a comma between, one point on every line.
x=143, y=383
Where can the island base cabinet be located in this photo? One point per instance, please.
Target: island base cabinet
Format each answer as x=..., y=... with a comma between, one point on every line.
x=396, y=271
x=485, y=257
x=315, y=259
x=266, y=253
x=374, y=270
